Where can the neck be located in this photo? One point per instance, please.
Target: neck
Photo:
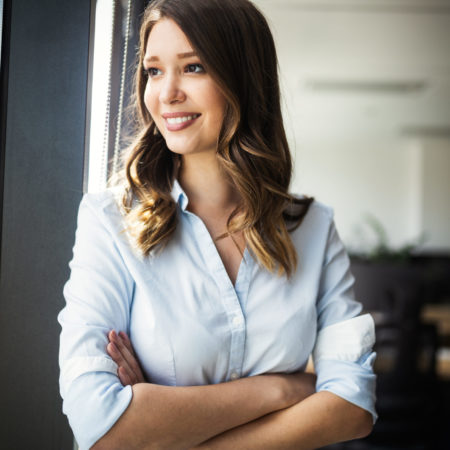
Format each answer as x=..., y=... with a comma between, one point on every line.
x=205, y=183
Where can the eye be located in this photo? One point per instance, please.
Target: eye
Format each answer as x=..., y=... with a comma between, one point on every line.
x=195, y=68
x=152, y=72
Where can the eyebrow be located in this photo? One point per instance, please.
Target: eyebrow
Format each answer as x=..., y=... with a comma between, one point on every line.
x=180, y=56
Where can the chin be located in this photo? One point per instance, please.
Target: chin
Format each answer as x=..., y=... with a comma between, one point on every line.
x=180, y=150
x=183, y=149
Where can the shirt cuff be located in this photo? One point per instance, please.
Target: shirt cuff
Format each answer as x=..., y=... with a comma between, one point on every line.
x=353, y=381
x=347, y=340
x=79, y=365
x=343, y=361
x=93, y=404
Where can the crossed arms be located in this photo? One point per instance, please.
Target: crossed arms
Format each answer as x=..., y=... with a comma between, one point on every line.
x=272, y=411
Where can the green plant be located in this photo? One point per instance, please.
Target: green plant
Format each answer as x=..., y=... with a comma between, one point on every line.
x=381, y=250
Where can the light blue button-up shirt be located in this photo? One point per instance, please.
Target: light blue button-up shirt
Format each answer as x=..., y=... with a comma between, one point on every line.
x=190, y=326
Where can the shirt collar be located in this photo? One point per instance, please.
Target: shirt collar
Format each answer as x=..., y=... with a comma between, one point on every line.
x=179, y=196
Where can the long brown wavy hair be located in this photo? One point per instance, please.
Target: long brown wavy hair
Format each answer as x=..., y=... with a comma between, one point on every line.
x=236, y=47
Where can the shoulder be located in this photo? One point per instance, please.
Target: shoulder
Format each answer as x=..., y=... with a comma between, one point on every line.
x=317, y=211
x=103, y=208
x=107, y=202
x=102, y=225
x=107, y=199
x=312, y=236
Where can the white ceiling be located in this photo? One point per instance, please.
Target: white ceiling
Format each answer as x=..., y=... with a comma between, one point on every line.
x=367, y=68
x=359, y=4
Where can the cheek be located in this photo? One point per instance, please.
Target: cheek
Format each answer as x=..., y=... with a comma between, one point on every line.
x=149, y=99
x=218, y=104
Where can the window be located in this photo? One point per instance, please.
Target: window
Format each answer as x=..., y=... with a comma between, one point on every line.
x=115, y=39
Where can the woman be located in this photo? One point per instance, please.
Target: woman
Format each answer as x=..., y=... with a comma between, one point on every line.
x=224, y=282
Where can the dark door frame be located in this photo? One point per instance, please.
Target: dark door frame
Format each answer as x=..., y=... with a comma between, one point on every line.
x=43, y=104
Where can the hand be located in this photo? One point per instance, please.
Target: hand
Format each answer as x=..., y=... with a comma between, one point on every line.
x=122, y=353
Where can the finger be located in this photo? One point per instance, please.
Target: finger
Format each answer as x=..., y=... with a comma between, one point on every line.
x=124, y=378
x=111, y=335
x=129, y=355
x=121, y=338
x=127, y=342
x=115, y=354
x=130, y=358
x=126, y=353
x=119, y=359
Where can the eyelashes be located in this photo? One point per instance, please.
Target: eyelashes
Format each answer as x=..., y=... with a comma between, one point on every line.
x=195, y=66
x=152, y=72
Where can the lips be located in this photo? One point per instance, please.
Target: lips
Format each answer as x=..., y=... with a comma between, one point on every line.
x=179, y=121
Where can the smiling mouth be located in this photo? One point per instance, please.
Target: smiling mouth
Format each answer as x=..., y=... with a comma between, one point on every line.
x=180, y=123
x=174, y=120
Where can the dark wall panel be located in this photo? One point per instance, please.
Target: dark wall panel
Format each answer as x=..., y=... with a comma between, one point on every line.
x=45, y=130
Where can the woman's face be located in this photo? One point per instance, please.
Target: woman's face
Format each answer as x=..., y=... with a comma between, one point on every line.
x=183, y=100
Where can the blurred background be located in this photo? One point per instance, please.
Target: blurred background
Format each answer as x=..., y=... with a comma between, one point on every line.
x=366, y=104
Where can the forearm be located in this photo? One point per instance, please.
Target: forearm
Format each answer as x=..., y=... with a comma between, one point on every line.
x=321, y=419
x=182, y=417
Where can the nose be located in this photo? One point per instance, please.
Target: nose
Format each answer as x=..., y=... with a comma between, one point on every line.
x=171, y=91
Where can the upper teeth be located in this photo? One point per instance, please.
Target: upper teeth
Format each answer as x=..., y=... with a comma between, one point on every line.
x=174, y=120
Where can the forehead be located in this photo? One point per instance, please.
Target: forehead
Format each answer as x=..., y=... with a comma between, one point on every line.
x=166, y=37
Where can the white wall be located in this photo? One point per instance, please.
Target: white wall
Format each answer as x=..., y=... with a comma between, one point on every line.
x=436, y=192
x=350, y=146
x=360, y=177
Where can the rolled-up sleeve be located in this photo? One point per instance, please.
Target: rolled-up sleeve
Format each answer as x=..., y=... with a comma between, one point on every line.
x=343, y=356
x=98, y=297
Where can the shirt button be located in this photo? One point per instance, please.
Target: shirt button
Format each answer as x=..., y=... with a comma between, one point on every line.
x=237, y=320
x=234, y=376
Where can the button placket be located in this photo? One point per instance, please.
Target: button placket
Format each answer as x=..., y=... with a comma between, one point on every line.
x=237, y=321
x=229, y=295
